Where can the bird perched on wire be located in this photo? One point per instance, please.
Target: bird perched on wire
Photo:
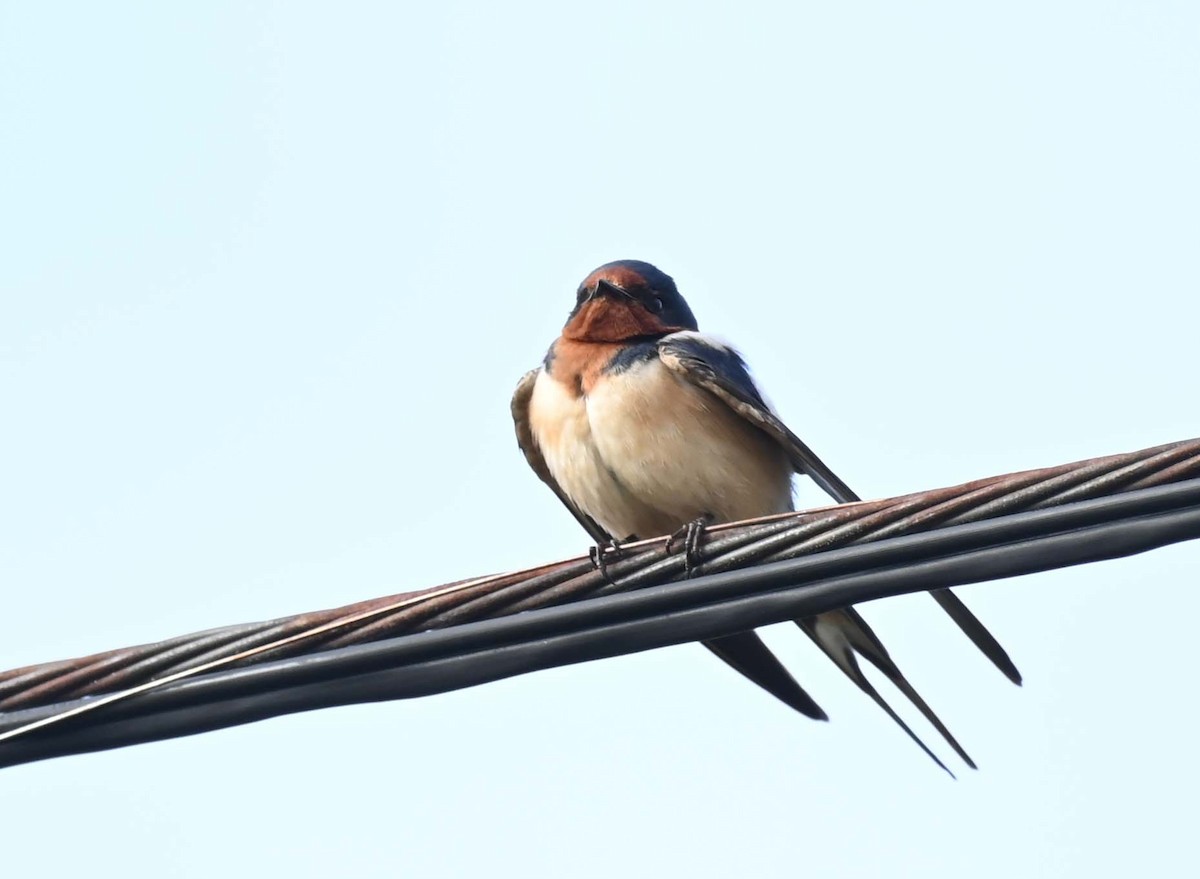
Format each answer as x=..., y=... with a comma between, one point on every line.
x=642, y=427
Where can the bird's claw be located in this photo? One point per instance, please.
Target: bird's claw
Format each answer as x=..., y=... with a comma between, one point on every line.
x=597, y=555
x=691, y=534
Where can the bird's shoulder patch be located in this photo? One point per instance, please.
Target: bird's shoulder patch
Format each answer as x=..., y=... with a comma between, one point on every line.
x=630, y=355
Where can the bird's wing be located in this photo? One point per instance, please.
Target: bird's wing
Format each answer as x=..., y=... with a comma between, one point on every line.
x=721, y=371
x=977, y=632
x=745, y=652
x=533, y=454
x=729, y=380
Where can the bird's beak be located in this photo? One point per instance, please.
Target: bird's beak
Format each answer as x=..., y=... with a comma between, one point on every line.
x=608, y=288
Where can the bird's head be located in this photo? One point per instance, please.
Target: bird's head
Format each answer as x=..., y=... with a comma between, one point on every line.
x=624, y=300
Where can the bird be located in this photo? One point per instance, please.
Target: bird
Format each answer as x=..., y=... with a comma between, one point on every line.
x=643, y=426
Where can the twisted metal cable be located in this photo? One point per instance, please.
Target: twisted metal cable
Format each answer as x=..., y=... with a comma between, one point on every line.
x=257, y=649
x=647, y=563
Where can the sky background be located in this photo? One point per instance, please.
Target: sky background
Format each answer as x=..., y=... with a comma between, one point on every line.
x=271, y=271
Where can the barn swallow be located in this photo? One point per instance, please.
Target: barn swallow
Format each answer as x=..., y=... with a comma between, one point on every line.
x=640, y=425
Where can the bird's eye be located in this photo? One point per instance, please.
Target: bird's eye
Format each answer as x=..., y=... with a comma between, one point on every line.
x=654, y=305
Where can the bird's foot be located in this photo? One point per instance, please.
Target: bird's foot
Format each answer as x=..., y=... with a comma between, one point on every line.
x=691, y=534
x=600, y=553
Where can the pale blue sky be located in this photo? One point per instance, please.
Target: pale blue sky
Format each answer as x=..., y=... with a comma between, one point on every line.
x=270, y=273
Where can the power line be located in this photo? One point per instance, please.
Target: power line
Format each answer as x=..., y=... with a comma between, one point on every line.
x=472, y=632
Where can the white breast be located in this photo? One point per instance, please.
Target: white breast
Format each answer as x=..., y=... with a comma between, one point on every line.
x=646, y=452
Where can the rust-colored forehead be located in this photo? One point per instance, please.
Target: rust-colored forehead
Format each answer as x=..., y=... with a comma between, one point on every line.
x=623, y=276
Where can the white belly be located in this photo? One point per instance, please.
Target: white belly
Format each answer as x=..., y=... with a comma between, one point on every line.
x=646, y=452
